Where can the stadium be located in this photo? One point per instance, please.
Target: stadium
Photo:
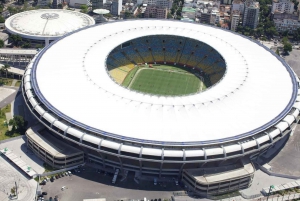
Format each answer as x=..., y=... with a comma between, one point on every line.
x=163, y=98
x=46, y=25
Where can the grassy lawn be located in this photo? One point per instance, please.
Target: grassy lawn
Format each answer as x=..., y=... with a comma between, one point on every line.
x=129, y=77
x=18, y=83
x=4, y=133
x=165, y=82
x=5, y=81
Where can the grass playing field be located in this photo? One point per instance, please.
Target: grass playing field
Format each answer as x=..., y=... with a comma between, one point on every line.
x=164, y=80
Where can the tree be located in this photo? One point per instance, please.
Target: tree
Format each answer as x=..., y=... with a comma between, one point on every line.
x=1, y=43
x=5, y=69
x=18, y=124
x=84, y=8
x=13, y=190
x=287, y=47
x=2, y=20
x=16, y=39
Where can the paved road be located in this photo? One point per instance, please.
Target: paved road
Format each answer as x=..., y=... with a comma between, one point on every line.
x=9, y=98
x=90, y=184
x=9, y=175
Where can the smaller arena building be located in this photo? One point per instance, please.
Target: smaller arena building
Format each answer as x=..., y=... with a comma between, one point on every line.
x=46, y=24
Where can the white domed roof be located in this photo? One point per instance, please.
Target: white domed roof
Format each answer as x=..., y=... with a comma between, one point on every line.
x=47, y=23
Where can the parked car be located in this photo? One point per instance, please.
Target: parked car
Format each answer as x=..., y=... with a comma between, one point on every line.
x=63, y=188
x=66, y=173
x=44, y=193
x=155, y=182
x=69, y=172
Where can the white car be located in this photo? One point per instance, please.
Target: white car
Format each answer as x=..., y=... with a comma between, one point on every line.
x=70, y=173
x=63, y=188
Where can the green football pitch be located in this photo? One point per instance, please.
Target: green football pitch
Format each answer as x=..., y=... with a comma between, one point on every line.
x=165, y=82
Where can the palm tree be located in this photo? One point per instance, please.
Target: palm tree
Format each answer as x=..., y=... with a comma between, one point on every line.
x=5, y=69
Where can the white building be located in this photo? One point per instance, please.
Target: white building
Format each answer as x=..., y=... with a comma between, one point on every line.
x=235, y=18
x=282, y=6
x=46, y=25
x=160, y=3
x=116, y=7
x=286, y=22
x=215, y=17
x=76, y=3
x=44, y=2
x=251, y=14
x=238, y=5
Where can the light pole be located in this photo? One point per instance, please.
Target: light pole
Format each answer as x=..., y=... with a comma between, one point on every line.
x=271, y=187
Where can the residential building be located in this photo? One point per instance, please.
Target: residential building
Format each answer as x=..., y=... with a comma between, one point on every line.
x=159, y=3
x=96, y=4
x=75, y=3
x=55, y=3
x=235, y=18
x=286, y=22
x=251, y=14
x=205, y=16
x=44, y=2
x=116, y=7
x=238, y=5
x=226, y=2
x=282, y=6
x=215, y=17
x=164, y=3
x=156, y=12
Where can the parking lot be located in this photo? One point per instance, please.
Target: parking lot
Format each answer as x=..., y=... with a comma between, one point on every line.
x=90, y=184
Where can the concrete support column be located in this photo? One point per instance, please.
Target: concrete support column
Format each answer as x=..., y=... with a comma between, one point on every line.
x=46, y=42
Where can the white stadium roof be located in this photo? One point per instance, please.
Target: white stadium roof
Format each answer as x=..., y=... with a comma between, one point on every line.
x=47, y=23
x=256, y=92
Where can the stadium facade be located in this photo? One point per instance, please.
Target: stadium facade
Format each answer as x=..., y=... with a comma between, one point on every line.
x=205, y=139
x=46, y=25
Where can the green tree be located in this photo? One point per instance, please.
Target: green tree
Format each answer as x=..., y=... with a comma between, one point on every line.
x=84, y=8
x=13, y=191
x=5, y=69
x=1, y=43
x=2, y=20
x=287, y=47
x=15, y=39
x=169, y=16
x=18, y=123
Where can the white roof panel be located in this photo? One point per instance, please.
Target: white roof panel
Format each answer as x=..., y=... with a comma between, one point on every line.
x=241, y=101
x=45, y=23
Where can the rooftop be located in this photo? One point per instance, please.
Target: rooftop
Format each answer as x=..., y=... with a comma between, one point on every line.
x=239, y=104
x=218, y=174
x=54, y=146
x=47, y=23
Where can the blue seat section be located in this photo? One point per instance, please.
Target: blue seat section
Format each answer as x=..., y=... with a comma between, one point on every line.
x=155, y=44
x=186, y=53
x=120, y=58
x=111, y=63
x=171, y=49
x=171, y=46
x=216, y=77
x=132, y=54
